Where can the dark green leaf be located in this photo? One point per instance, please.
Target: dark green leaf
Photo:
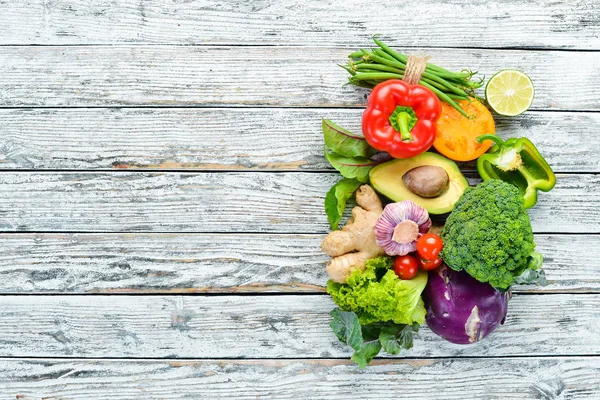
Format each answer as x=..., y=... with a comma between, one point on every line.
x=397, y=337
x=336, y=198
x=344, y=142
x=532, y=276
x=372, y=331
x=405, y=337
x=346, y=327
x=368, y=340
x=388, y=339
x=349, y=167
x=366, y=352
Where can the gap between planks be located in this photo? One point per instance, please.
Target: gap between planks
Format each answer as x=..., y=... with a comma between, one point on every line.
x=381, y=359
x=546, y=24
x=229, y=202
x=193, y=140
x=221, y=107
x=564, y=377
x=258, y=327
x=173, y=263
x=74, y=76
x=298, y=46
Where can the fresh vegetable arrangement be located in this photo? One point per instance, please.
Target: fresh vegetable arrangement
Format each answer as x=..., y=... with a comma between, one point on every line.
x=389, y=273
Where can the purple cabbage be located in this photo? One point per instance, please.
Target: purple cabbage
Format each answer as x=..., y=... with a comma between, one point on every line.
x=461, y=309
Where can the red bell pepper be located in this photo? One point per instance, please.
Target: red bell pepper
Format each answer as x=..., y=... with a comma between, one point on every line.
x=400, y=119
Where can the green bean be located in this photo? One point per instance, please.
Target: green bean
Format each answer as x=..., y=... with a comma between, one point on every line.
x=450, y=76
x=368, y=71
x=376, y=76
x=466, y=84
x=435, y=84
x=400, y=57
x=431, y=67
x=398, y=64
x=444, y=97
x=457, y=97
x=383, y=58
x=383, y=54
x=451, y=87
x=348, y=69
x=379, y=67
x=404, y=59
x=388, y=62
x=366, y=84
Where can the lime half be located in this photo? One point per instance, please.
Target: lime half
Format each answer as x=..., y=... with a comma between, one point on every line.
x=509, y=92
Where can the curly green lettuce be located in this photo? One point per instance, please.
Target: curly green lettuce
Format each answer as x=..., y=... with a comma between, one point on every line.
x=488, y=234
x=378, y=295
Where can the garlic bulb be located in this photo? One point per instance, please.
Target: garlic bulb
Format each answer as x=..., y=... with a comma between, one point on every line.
x=399, y=227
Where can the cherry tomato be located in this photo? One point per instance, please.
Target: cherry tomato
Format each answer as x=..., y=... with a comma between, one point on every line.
x=429, y=246
x=429, y=265
x=406, y=267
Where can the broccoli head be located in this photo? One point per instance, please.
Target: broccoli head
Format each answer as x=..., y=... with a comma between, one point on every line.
x=488, y=234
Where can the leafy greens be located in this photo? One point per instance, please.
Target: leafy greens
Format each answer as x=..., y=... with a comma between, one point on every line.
x=368, y=340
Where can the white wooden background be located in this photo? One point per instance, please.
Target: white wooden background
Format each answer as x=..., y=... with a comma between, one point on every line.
x=161, y=189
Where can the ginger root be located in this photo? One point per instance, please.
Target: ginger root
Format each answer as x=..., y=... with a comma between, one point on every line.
x=355, y=243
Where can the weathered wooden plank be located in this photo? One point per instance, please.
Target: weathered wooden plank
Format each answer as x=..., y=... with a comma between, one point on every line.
x=33, y=76
x=227, y=139
x=224, y=202
x=198, y=263
x=542, y=23
x=161, y=263
x=287, y=326
x=518, y=378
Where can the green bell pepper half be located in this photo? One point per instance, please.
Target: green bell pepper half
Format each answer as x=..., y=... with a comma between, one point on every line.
x=517, y=161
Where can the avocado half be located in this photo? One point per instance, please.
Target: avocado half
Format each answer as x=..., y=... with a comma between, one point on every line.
x=386, y=178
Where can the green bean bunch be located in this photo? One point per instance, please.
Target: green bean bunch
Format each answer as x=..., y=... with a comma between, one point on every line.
x=370, y=67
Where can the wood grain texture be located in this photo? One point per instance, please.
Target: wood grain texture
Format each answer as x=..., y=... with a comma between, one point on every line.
x=541, y=23
x=225, y=202
x=287, y=326
x=135, y=263
x=237, y=139
x=33, y=76
x=515, y=378
x=176, y=65
x=198, y=263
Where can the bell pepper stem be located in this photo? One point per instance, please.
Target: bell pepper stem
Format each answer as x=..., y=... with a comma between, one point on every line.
x=499, y=142
x=403, y=118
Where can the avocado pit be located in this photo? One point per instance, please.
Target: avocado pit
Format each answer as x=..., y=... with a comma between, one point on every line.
x=427, y=180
